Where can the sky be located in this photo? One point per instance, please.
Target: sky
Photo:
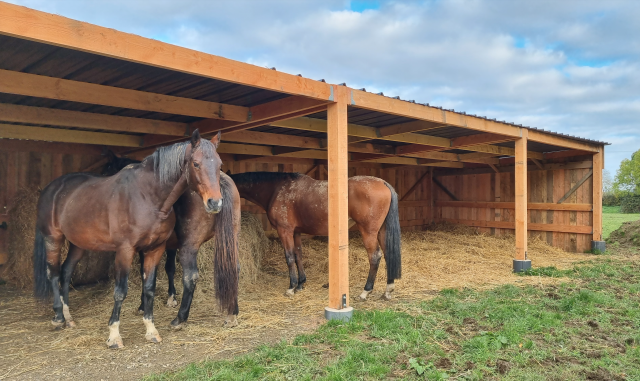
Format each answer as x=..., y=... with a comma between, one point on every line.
x=566, y=66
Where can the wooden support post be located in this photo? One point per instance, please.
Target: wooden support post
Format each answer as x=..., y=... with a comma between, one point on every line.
x=416, y=185
x=338, y=154
x=598, y=163
x=521, y=262
x=431, y=204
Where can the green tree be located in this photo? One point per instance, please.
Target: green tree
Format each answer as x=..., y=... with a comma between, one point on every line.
x=627, y=179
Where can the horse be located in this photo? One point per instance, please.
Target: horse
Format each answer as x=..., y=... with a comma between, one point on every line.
x=129, y=212
x=194, y=226
x=296, y=203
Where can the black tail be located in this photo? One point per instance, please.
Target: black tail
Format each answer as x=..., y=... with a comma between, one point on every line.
x=41, y=283
x=226, y=260
x=392, y=245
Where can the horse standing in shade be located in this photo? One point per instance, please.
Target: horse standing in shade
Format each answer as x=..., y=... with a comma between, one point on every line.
x=296, y=204
x=129, y=212
x=194, y=226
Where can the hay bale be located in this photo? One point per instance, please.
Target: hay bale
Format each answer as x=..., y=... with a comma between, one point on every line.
x=94, y=266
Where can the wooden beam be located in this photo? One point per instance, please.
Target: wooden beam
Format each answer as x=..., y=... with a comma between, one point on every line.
x=14, y=145
x=416, y=185
x=472, y=140
x=431, y=198
x=64, y=118
x=417, y=125
x=412, y=161
x=565, y=154
x=338, y=199
x=538, y=163
x=511, y=168
x=13, y=131
x=495, y=169
x=512, y=205
x=60, y=31
x=387, y=105
x=444, y=189
x=575, y=187
x=13, y=82
x=530, y=226
x=521, y=197
x=319, y=125
x=598, y=164
x=310, y=171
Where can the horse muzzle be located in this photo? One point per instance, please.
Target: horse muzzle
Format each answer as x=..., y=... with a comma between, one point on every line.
x=213, y=206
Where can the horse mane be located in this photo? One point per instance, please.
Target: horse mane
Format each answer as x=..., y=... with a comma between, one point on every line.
x=168, y=161
x=262, y=177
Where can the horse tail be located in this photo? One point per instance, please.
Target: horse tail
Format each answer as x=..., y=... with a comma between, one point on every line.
x=41, y=284
x=392, y=245
x=226, y=260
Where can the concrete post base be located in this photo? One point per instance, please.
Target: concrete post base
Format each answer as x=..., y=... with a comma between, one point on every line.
x=334, y=314
x=519, y=266
x=600, y=246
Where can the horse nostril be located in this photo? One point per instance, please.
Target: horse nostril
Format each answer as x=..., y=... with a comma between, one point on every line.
x=214, y=205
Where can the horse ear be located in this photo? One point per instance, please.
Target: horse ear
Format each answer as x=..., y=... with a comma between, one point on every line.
x=110, y=155
x=195, y=139
x=216, y=139
x=228, y=172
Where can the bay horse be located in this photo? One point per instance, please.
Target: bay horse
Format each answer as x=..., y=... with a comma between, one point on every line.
x=194, y=226
x=296, y=203
x=129, y=212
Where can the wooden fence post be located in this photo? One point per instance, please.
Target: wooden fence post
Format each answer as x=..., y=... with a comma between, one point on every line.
x=521, y=262
x=338, y=157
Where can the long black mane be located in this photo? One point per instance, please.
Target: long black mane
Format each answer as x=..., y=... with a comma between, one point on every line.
x=263, y=177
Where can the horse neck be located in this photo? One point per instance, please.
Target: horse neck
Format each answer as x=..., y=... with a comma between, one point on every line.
x=258, y=193
x=166, y=194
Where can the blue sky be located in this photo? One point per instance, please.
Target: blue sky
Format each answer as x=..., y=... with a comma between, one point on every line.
x=566, y=66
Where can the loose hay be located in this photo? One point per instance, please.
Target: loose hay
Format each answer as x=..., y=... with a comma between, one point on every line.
x=94, y=267
x=449, y=257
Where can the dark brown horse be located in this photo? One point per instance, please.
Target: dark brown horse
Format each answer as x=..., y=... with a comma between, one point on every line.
x=194, y=226
x=129, y=212
x=296, y=204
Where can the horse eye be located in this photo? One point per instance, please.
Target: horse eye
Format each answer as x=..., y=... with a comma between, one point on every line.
x=197, y=165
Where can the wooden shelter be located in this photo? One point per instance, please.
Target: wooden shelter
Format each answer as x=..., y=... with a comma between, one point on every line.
x=69, y=90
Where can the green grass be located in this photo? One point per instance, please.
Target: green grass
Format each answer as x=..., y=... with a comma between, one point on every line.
x=585, y=328
x=612, y=219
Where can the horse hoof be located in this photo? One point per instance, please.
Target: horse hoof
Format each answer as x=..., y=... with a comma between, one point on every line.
x=58, y=324
x=71, y=324
x=386, y=296
x=290, y=293
x=300, y=287
x=140, y=311
x=364, y=295
x=115, y=344
x=230, y=323
x=176, y=324
x=153, y=337
x=172, y=302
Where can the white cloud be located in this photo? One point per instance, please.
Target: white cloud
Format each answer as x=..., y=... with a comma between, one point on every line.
x=566, y=66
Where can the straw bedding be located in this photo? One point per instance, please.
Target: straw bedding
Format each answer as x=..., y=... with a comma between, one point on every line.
x=446, y=257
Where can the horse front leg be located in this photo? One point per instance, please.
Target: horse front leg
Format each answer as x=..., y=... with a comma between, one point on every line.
x=124, y=256
x=73, y=257
x=189, y=263
x=170, y=269
x=151, y=262
x=286, y=237
x=375, y=254
x=141, y=307
x=302, y=276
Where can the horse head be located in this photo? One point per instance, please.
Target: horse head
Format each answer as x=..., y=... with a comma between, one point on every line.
x=115, y=164
x=203, y=168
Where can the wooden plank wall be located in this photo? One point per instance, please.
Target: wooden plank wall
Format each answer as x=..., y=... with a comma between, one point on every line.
x=19, y=170
x=545, y=186
x=414, y=211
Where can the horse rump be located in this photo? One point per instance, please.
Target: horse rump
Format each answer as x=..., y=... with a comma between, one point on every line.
x=392, y=249
x=41, y=283
x=226, y=262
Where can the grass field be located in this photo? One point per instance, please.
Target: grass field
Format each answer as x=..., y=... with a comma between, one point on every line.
x=612, y=219
x=584, y=327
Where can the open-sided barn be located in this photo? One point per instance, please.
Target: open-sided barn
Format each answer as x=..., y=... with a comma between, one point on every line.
x=71, y=90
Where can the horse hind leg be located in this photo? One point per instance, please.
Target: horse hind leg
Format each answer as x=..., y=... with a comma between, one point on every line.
x=73, y=257
x=170, y=269
x=286, y=237
x=390, y=282
x=189, y=263
x=375, y=254
x=53, y=246
x=302, y=276
x=141, y=307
